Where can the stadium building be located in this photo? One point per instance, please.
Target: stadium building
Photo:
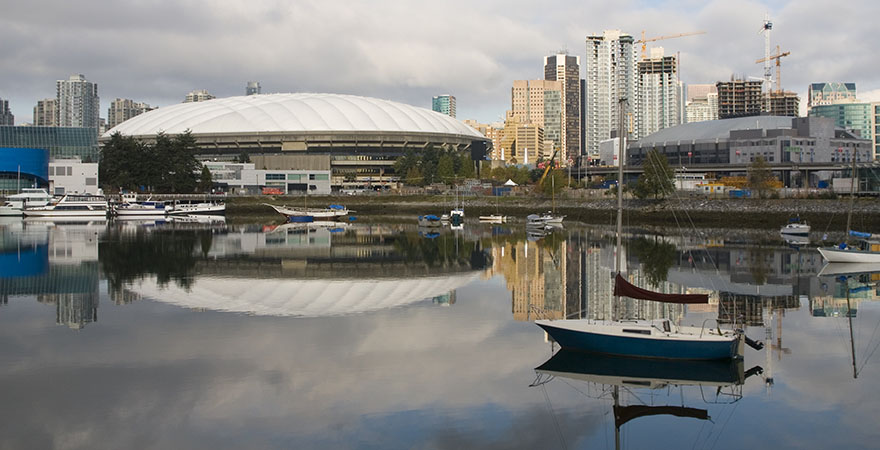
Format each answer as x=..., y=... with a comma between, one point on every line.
x=357, y=138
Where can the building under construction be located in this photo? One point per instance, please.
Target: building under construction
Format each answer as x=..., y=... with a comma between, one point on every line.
x=739, y=98
x=784, y=104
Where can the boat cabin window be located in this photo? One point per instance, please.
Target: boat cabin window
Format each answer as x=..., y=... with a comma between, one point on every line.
x=630, y=330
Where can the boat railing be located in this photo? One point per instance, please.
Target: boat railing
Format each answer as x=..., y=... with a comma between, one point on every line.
x=703, y=328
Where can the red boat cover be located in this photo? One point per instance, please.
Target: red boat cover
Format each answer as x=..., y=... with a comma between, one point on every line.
x=624, y=288
x=623, y=414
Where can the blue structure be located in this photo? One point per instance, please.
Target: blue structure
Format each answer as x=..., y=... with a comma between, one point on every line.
x=23, y=167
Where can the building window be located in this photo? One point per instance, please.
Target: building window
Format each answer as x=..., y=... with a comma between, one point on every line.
x=294, y=177
x=91, y=181
x=275, y=176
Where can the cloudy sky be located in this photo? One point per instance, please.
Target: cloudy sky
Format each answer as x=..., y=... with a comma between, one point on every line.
x=159, y=50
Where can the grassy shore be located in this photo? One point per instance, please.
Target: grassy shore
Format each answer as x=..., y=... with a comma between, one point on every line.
x=822, y=214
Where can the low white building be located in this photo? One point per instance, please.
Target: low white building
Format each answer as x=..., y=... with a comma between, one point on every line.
x=609, y=150
x=69, y=176
x=244, y=178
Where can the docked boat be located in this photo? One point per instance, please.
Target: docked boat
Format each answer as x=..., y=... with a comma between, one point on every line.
x=210, y=208
x=795, y=227
x=430, y=220
x=547, y=218
x=494, y=218
x=72, y=205
x=28, y=197
x=866, y=250
x=330, y=212
x=131, y=207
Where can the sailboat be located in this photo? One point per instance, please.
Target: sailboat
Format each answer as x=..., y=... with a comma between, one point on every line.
x=641, y=338
x=868, y=250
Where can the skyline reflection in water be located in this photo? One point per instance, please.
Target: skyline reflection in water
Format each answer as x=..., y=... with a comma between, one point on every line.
x=374, y=335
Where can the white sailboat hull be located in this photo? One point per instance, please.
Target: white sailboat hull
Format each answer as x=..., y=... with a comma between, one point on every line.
x=835, y=255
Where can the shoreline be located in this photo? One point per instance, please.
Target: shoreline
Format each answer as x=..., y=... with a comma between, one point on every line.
x=822, y=214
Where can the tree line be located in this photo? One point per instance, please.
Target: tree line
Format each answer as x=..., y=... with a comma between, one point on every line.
x=168, y=165
x=428, y=166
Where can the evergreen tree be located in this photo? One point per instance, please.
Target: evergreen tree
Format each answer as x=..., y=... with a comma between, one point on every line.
x=414, y=177
x=446, y=169
x=206, y=182
x=466, y=166
x=658, y=178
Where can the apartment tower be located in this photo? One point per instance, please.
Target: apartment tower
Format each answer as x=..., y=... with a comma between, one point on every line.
x=444, y=104
x=6, y=117
x=610, y=73
x=46, y=113
x=123, y=109
x=539, y=103
x=77, y=102
x=740, y=98
x=659, y=92
x=567, y=71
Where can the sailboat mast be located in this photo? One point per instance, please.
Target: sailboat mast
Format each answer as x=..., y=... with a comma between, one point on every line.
x=852, y=341
x=852, y=195
x=621, y=157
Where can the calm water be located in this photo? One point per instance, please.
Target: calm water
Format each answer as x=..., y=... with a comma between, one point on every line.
x=208, y=335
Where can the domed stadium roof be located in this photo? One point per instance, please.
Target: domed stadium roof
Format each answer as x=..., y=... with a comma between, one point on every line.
x=287, y=113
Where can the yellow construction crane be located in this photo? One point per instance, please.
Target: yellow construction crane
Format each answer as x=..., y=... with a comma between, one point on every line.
x=644, y=41
x=777, y=57
x=547, y=169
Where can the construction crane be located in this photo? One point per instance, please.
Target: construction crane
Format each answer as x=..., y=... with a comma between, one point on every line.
x=547, y=168
x=644, y=41
x=779, y=55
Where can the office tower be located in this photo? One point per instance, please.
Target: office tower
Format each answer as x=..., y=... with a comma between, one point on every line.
x=702, y=103
x=78, y=102
x=849, y=116
x=830, y=94
x=539, y=102
x=253, y=88
x=200, y=95
x=739, y=98
x=659, y=92
x=46, y=113
x=6, y=117
x=444, y=104
x=610, y=74
x=521, y=143
x=567, y=70
x=123, y=109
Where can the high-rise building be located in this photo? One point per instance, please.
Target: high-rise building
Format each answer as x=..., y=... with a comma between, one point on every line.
x=875, y=125
x=521, y=143
x=701, y=109
x=659, y=92
x=610, y=74
x=253, y=88
x=123, y=109
x=567, y=71
x=444, y=104
x=78, y=102
x=6, y=117
x=740, y=98
x=199, y=95
x=850, y=116
x=46, y=113
x=784, y=103
x=539, y=102
x=830, y=94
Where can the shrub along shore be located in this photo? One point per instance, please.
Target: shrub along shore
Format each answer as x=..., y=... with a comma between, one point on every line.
x=822, y=214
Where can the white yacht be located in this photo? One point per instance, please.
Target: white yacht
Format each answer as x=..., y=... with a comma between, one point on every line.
x=71, y=205
x=28, y=197
x=131, y=207
x=211, y=208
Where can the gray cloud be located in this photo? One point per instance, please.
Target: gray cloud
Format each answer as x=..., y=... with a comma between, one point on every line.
x=400, y=50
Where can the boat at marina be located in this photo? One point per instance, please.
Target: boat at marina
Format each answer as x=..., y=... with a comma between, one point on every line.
x=494, y=218
x=430, y=220
x=330, y=212
x=210, y=208
x=28, y=197
x=867, y=247
x=131, y=207
x=795, y=227
x=72, y=205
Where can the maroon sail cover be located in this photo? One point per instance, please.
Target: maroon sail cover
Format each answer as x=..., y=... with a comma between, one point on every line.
x=623, y=414
x=624, y=288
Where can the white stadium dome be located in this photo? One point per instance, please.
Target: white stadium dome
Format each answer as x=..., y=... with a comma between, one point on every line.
x=268, y=113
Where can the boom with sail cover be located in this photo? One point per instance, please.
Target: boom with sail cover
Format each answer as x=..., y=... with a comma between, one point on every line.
x=627, y=289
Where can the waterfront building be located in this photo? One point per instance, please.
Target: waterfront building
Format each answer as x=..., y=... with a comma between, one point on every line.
x=610, y=74
x=361, y=137
x=23, y=168
x=444, y=104
x=61, y=142
x=741, y=140
x=830, y=94
x=123, y=109
x=199, y=95
x=6, y=117
x=246, y=179
x=46, y=113
x=659, y=92
x=539, y=102
x=739, y=98
x=850, y=116
x=566, y=70
x=71, y=175
x=77, y=103
x=253, y=88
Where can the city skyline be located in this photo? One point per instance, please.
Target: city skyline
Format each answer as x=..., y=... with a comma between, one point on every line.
x=162, y=51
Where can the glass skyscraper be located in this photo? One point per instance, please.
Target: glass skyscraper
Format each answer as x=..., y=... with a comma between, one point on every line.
x=444, y=104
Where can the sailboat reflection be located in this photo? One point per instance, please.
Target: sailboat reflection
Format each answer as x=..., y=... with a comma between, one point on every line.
x=719, y=381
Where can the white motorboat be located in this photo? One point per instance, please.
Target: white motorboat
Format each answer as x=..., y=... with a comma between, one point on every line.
x=211, y=208
x=869, y=253
x=493, y=218
x=795, y=228
x=145, y=208
x=28, y=197
x=72, y=205
x=330, y=212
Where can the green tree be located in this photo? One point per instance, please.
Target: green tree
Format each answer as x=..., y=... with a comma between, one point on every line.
x=761, y=179
x=244, y=157
x=554, y=182
x=414, y=177
x=656, y=256
x=465, y=166
x=658, y=178
x=206, y=182
x=446, y=169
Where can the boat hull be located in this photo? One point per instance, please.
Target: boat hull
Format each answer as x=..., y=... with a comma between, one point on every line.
x=200, y=209
x=836, y=255
x=62, y=213
x=642, y=347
